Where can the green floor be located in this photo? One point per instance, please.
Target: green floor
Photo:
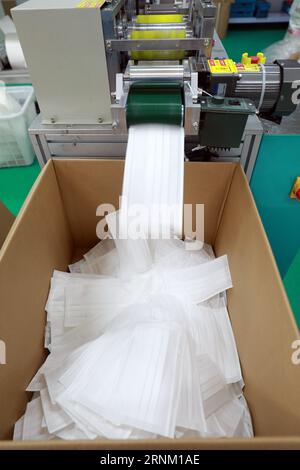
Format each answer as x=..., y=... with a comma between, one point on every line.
x=238, y=41
x=15, y=183
x=277, y=166
x=291, y=284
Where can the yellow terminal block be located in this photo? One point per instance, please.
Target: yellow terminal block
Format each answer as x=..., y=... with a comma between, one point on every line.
x=156, y=19
x=261, y=58
x=295, y=193
x=246, y=60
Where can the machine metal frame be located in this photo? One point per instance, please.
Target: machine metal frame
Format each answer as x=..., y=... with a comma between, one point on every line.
x=100, y=142
x=117, y=39
x=217, y=100
x=106, y=141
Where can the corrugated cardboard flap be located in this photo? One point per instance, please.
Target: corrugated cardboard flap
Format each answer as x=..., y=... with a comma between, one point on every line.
x=6, y=221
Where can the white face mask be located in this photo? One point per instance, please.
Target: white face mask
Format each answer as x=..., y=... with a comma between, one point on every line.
x=155, y=163
x=134, y=254
x=84, y=308
x=200, y=282
x=55, y=418
x=106, y=297
x=33, y=420
x=102, y=259
x=101, y=249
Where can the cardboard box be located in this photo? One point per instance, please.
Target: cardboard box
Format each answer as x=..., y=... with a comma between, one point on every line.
x=6, y=221
x=8, y=5
x=223, y=14
x=58, y=221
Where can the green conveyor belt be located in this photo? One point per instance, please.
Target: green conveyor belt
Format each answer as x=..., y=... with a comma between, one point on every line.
x=155, y=102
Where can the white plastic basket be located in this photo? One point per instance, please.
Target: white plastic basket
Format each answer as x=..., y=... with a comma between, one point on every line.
x=15, y=144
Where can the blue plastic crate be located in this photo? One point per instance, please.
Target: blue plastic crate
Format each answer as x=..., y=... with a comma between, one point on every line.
x=244, y=2
x=244, y=9
x=262, y=9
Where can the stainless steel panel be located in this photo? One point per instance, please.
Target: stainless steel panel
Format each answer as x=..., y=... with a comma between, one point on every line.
x=156, y=72
x=77, y=149
x=193, y=44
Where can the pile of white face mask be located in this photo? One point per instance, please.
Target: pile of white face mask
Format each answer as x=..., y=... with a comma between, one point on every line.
x=140, y=340
x=146, y=355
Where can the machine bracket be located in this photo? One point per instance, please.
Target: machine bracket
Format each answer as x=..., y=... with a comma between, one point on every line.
x=187, y=44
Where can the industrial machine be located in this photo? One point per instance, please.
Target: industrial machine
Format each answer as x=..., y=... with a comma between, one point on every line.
x=99, y=67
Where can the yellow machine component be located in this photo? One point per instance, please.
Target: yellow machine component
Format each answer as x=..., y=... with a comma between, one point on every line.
x=247, y=68
x=222, y=66
x=295, y=193
x=246, y=60
x=260, y=58
x=91, y=4
x=158, y=34
x=155, y=19
x=228, y=66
